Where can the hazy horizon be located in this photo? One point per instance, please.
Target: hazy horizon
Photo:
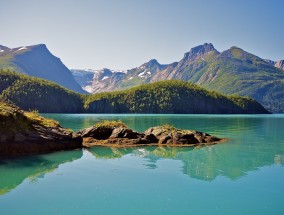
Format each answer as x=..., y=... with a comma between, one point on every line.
x=125, y=34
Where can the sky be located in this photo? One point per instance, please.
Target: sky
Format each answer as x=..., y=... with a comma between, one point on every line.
x=123, y=34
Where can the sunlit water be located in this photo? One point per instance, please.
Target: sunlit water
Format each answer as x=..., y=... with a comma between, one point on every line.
x=245, y=175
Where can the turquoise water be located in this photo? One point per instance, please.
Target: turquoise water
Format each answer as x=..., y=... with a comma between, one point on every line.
x=245, y=175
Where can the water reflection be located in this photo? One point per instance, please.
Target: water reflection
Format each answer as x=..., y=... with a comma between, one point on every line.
x=231, y=160
x=15, y=171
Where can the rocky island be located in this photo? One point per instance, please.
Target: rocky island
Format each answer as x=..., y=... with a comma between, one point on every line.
x=117, y=134
x=23, y=133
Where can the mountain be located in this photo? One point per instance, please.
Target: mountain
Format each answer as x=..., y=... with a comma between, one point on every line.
x=233, y=71
x=106, y=80
x=39, y=62
x=171, y=96
x=93, y=81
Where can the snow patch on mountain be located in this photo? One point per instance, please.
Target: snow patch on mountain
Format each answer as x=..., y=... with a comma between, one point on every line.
x=105, y=77
x=141, y=74
x=88, y=88
x=22, y=48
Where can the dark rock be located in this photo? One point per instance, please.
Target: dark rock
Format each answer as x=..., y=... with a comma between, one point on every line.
x=165, y=139
x=99, y=133
x=142, y=141
x=122, y=132
x=179, y=138
x=151, y=138
x=122, y=136
x=40, y=140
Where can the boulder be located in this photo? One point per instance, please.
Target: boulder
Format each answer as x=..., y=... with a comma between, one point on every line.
x=173, y=136
x=122, y=132
x=99, y=133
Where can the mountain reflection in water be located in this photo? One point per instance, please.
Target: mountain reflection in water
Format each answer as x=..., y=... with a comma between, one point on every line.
x=204, y=163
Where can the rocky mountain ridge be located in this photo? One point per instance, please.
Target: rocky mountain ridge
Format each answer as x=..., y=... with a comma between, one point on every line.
x=233, y=71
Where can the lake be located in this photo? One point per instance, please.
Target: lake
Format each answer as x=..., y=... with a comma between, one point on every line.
x=244, y=175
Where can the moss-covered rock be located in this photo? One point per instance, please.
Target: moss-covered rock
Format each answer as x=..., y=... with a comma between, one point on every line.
x=28, y=133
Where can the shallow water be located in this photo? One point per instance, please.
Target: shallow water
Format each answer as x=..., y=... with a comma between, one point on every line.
x=245, y=175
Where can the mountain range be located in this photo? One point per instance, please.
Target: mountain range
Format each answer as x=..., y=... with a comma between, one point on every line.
x=37, y=61
x=233, y=71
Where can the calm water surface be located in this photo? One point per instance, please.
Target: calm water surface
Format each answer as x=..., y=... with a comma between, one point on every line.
x=242, y=176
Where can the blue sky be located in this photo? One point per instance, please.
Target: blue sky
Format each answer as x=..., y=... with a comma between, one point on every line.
x=122, y=34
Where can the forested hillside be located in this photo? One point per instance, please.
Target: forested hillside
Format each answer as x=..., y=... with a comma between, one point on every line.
x=31, y=93
x=173, y=96
x=170, y=97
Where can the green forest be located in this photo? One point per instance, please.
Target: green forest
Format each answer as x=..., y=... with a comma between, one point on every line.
x=171, y=96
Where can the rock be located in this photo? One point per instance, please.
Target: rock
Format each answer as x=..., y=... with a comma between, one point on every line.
x=25, y=133
x=99, y=133
x=121, y=136
x=151, y=138
x=170, y=135
x=165, y=139
x=122, y=132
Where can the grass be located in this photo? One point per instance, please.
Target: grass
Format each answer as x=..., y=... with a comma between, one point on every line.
x=108, y=123
x=6, y=110
x=12, y=119
x=5, y=62
x=36, y=118
x=169, y=127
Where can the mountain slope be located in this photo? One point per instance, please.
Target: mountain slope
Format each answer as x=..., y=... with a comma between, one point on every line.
x=31, y=93
x=233, y=71
x=39, y=62
x=279, y=64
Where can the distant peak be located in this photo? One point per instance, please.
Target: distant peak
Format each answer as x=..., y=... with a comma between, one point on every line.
x=23, y=49
x=4, y=48
x=237, y=52
x=200, y=50
x=151, y=63
x=38, y=46
x=235, y=47
x=206, y=47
